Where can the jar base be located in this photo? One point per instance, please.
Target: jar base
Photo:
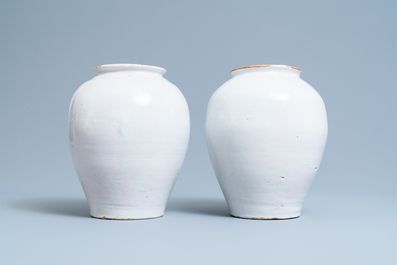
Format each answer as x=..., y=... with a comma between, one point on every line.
x=265, y=218
x=266, y=211
x=126, y=212
x=125, y=219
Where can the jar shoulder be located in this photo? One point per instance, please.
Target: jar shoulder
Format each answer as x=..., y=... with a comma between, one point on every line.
x=262, y=88
x=112, y=81
x=126, y=85
x=124, y=90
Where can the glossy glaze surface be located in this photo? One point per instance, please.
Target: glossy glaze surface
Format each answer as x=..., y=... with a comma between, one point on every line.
x=128, y=130
x=266, y=131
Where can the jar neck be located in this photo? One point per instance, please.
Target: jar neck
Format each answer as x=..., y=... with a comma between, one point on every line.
x=267, y=68
x=112, y=68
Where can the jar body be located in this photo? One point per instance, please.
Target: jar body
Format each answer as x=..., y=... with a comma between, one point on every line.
x=128, y=132
x=266, y=131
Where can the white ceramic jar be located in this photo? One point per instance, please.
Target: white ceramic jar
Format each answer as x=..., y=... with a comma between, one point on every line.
x=266, y=131
x=129, y=131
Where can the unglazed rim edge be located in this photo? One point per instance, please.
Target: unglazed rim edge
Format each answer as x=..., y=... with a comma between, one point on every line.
x=265, y=65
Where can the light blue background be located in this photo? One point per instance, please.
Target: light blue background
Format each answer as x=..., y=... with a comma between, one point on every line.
x=347, y=52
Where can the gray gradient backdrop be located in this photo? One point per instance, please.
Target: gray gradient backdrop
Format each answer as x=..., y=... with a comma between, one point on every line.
x=347, y=52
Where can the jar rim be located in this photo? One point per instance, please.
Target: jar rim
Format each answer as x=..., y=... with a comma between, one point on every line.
x=103, y=68
x=266, y=65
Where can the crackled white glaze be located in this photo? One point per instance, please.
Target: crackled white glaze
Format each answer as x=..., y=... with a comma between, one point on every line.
x=266, y=131
x=129, y=131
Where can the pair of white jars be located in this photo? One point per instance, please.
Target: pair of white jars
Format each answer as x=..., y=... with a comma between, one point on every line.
x=129, y=130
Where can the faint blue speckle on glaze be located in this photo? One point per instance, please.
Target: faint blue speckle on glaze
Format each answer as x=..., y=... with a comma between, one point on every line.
x=120, y=129
x=120, y=120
